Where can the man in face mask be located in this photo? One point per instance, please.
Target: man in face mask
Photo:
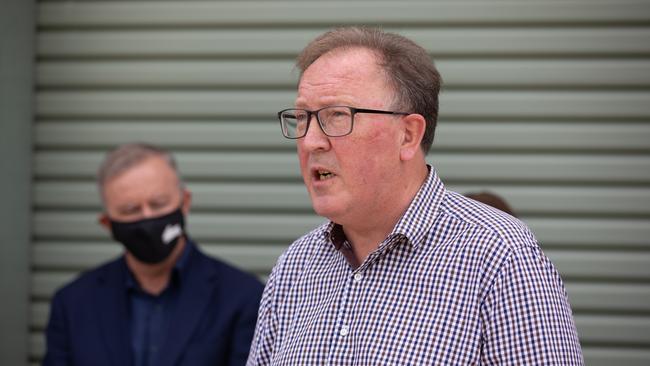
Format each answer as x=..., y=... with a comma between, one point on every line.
x=163, y=302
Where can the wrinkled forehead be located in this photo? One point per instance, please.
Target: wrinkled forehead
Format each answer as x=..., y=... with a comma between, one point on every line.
x=124, y=159
x=347, y=58
x=344, y=75
x=150, y=175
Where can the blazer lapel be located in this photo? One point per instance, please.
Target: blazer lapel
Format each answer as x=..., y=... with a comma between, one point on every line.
x=111, y=305
x=196, y=292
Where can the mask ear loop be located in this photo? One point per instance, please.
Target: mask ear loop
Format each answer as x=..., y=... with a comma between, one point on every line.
x=182, y=192
x=180, y=209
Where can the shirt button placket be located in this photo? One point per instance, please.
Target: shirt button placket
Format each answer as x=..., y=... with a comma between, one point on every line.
x=357, y=277
x=339, y=342
x=345, y=330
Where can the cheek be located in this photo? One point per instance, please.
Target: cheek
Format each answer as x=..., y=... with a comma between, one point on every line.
x=360, y=161
x=303, y=158
x=376, y=146
x=374, y=156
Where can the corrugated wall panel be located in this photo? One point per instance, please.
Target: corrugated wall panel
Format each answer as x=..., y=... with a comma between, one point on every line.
x=470, y=41
x=210, y=104
x=529, y=199
x=461, y=166
x=485, y=73
x=546, y=103
x=597, y=136
x=256, y=13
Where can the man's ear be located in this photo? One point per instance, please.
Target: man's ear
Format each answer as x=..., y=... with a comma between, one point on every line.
x=187, y=201
x=104, y=221
x=414, y=126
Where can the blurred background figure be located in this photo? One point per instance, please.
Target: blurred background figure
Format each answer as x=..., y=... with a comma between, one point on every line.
x=491, y=199
x=163, y=302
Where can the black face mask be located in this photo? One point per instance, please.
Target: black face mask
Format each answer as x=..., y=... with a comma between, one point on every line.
x=150, y=240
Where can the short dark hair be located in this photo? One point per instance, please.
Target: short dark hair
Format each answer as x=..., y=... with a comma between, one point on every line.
x=409, y=68
x=124, y=157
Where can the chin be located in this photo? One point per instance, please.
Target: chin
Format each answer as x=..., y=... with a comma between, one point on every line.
x=331, y=205
x=326, y=210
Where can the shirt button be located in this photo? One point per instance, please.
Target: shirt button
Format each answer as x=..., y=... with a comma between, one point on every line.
x=344, y=330
x=358, y=277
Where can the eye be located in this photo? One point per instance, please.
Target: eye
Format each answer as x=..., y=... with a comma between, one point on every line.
x=129, y=210
x=158, y=204
x=294, y=116
x=300, y=116
x=337, y=113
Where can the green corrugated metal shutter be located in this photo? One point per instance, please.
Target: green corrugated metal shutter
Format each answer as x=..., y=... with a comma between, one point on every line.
x=546, y=103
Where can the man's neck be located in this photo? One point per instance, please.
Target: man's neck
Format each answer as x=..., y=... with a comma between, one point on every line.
x=366, y=241
x=154, y=278
x=368, y=232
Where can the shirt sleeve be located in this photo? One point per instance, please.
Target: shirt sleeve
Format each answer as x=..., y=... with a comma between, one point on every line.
x=263, y=344
x=526, y=317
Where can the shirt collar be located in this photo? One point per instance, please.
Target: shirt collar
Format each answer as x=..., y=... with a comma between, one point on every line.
x=338, y=239
x=416, y=220
x=420, y=215
x=178, y=272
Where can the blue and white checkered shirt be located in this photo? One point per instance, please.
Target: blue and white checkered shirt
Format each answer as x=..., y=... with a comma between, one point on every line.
x=455, y=283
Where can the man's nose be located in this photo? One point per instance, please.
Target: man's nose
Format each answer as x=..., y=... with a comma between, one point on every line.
x=315, y=138
x=147, y=212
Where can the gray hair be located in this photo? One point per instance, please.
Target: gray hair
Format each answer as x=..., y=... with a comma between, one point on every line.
x=126, y=156
x=409, y=68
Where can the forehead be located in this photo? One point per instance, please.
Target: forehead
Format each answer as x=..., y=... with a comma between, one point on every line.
x=343, y=75
x=150, y=177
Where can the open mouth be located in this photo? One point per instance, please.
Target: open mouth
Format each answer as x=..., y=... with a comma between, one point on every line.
x=323, y=174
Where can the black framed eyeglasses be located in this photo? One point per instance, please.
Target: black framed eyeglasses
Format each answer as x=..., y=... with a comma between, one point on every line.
x=334, y=121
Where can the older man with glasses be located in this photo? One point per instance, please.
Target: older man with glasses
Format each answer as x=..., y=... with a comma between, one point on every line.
x=404, y=272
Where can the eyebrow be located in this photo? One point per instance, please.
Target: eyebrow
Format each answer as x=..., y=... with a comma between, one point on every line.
x=128, y=207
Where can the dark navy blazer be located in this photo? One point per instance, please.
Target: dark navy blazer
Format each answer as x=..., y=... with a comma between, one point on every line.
x=213, y=323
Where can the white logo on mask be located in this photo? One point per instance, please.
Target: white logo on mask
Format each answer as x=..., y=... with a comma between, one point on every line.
x=171, y=232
